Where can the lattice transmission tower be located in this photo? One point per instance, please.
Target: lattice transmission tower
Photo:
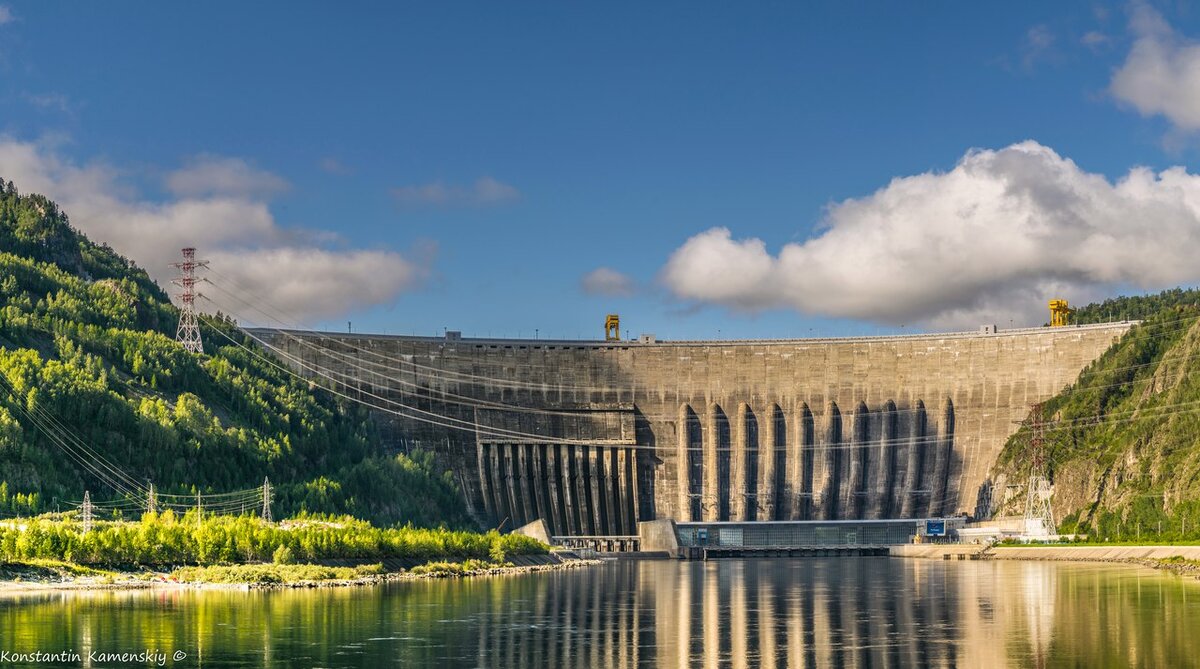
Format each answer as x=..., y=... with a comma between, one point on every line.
x=87, y=510
x=1039, y=517
x=266, y=499
x=188, y=334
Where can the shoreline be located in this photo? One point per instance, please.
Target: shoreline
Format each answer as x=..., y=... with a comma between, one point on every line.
x=1183, y=568
x=1182, y=559
x=154, y=580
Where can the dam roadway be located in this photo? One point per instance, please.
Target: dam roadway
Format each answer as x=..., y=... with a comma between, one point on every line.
x=594, y=436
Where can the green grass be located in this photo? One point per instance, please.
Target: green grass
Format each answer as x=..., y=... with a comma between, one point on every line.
x=272, y=573
x=456, y=568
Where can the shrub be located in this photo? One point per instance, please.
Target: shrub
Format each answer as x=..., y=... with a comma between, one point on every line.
x=283, y=555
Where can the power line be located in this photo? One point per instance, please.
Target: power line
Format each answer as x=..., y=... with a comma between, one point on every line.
x=324, y=373
x=1158, y=329
x=444, y=396
x=430, y=371
x=1110, y=418
x=414, y=413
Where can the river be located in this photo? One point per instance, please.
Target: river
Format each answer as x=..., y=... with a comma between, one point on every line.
x=856, y=612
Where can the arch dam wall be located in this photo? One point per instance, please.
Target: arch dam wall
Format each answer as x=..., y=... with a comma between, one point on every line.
x=595, y=436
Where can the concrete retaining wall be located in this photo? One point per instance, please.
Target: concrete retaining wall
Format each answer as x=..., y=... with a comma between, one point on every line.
x=1093, y=553
x=935, y=551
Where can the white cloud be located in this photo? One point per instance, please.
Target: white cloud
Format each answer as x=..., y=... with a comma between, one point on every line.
x=209, y=175
x=988, y=241
x=316, y=283
x=229, y=224
x=6, y=15
x=331, y=165
x=1161, y=74
x=56, y=101
x=1095, y=40
x=1039, y=40
x=607, y=282
x=485, y=190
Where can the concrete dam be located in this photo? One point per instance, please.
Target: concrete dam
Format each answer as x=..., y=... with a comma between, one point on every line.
x=594, y=436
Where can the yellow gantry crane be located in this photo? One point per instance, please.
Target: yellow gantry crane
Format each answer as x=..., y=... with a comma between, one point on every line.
x=612, y=328
x=1059, y=311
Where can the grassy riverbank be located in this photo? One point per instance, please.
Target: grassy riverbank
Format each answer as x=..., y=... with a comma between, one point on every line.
x=1179, y=565
x=162, y=550
x=48, y=575
x=167, y=540
x=272, y=573
x=245, y=549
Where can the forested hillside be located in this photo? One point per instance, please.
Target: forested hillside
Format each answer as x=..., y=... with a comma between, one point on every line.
x=1122, y=445
x=1135, y=307
x=87, y=348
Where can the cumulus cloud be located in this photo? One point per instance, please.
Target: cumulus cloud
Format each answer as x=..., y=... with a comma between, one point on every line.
x=1161, y=74
x=485, y=190
x=607, y=282
x=988, y=241
x=230, y=224
x=6, y=15
x=315, y=281
x=209, y=175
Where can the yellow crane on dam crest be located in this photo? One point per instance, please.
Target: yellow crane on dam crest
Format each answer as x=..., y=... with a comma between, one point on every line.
x=1059, y=312
x=612, y=328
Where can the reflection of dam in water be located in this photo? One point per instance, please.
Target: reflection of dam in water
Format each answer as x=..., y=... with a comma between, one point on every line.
x=869, y=612
x=809, y=613
x=783, y=614
x=865, y=612
x=595, y=436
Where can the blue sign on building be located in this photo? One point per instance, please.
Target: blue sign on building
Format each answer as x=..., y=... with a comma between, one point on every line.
x=935, y=528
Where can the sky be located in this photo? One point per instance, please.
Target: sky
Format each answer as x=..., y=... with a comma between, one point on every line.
x=706, y=170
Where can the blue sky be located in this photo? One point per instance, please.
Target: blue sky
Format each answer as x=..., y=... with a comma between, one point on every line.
x=465, y=165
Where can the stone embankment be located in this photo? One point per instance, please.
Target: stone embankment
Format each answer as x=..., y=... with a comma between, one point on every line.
x=939, y=551
x=1184, y=560
x=1093, y=553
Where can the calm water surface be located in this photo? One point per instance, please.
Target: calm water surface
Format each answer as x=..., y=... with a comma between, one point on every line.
x=859, y=612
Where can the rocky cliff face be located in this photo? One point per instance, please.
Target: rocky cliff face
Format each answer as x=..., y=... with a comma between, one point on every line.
x=1122, y=445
